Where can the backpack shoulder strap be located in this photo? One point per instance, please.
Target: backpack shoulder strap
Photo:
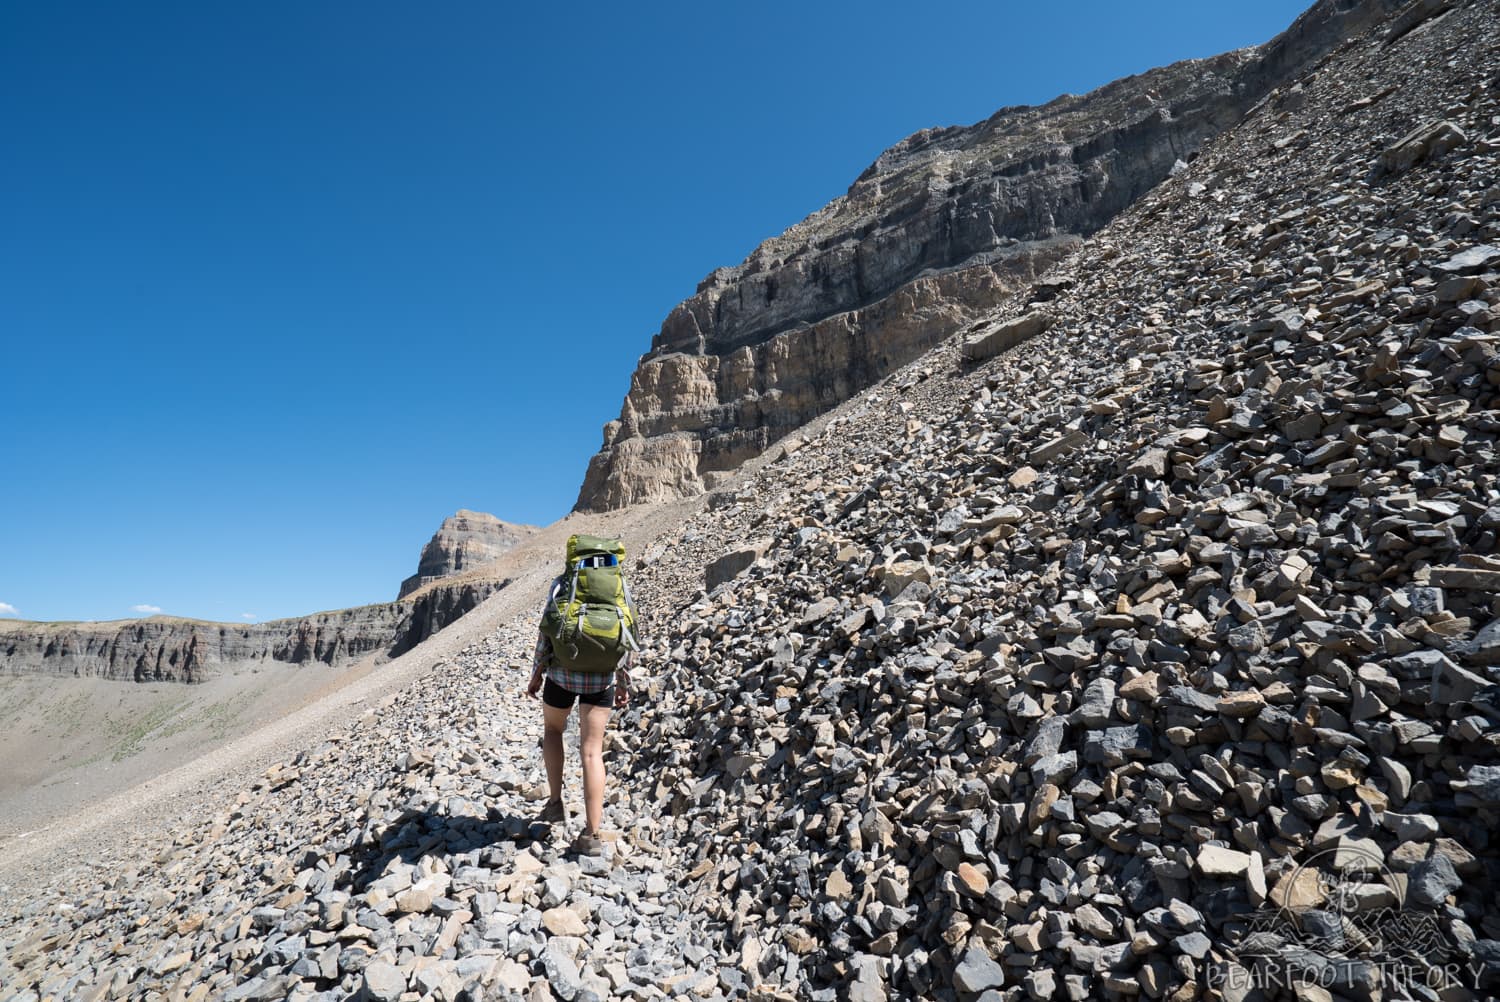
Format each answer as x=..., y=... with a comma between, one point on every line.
x=573, y=586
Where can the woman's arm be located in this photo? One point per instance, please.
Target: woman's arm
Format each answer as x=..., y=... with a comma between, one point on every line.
x=538, y=663
x=622, y=682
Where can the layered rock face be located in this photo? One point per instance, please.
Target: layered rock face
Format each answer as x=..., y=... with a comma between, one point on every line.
x=165, y=649
x=434, y=608
x=942, y=227
x=464, y=540
x=168, y=649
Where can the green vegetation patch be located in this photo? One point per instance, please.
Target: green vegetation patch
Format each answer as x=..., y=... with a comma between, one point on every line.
x=129, y=736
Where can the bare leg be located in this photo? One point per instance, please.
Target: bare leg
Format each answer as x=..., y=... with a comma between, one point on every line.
x=554, y=722
x=591, y=723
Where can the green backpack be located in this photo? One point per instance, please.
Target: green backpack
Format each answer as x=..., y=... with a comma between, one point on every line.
x=589, y=617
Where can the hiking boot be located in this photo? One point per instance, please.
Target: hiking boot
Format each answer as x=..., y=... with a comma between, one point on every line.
x=553, y=812
x=587, y=844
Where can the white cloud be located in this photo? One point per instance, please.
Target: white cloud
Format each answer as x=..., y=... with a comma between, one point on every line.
x=249, y=616
x=149, y=610
x=6, y=609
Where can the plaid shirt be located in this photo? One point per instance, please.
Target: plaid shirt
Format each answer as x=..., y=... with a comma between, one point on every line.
x=585, y=682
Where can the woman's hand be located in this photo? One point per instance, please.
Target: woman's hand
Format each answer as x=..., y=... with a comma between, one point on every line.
x=622, y=690
x=535, y=685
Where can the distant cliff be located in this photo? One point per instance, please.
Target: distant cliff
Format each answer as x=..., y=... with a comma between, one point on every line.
x=944, y=226
x=169, y=649
x=166, y=649
x=464, y=540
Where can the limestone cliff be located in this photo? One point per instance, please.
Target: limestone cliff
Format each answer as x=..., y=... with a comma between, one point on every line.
x=168, y=649
x=464, y=540
x=944, y=226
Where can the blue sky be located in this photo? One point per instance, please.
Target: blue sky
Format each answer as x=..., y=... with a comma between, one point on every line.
x=282, y=285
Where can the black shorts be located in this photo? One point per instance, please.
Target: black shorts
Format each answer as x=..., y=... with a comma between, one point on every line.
x=555, y=695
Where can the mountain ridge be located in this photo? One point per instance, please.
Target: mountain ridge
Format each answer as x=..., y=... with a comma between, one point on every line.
x=175, y=649
x=941, y=228
x=161, y=648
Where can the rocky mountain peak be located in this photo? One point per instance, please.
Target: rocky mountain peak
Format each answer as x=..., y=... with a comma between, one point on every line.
x=942, y=227
x=465, y=540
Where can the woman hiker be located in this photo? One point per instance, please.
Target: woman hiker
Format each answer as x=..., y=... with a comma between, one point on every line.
x=596, y=693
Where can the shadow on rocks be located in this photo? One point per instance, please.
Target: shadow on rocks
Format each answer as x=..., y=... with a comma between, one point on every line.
x=488, y=841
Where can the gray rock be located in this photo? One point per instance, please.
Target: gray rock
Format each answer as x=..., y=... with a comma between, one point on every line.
x=868, y=984
x=1048, y=739
x=1194, y=944
x=555, y=891
x=1473, y=259
x=1054, y=768
x=1482, y=782
x=1410, y=827
x=1098, y=699
x=1430, y=140
x=733, y=563
x=1431, y=881
x=383, y=982
x=1040, y=984
x=264, y=988
x=976, y=971
x=1115, y=745
x=1004, y=336
x=562, y=969
x=1484, y=649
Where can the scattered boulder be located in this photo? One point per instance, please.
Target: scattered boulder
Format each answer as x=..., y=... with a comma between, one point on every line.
x=1005, y=335
x=733, y=563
